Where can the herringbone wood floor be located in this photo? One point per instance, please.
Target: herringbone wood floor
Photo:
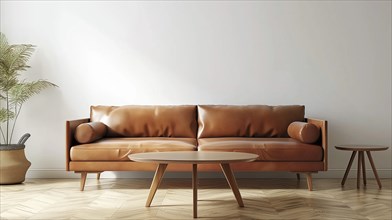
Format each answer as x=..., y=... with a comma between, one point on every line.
x=264, y=199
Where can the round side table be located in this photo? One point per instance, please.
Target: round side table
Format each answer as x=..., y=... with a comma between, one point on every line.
x=361, y=160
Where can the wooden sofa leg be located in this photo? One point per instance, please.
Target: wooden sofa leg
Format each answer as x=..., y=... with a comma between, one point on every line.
x=83, y=180
x=99, y=175
x=309, y=179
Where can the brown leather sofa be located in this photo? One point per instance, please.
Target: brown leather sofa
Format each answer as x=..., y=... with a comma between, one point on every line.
x=281, y=135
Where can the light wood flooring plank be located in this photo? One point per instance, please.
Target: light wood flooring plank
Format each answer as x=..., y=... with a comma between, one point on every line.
x=264, y=199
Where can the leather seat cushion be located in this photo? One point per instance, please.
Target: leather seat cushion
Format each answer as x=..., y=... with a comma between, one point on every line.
x=115, y=149
x=268, y=149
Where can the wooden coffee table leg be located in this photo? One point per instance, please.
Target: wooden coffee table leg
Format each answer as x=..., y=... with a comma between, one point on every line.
x=194, y=187
x=155, y=182
x=374, y=168
x=348, y=167
x=232, y=182
x=363, y=167
x=359, y=170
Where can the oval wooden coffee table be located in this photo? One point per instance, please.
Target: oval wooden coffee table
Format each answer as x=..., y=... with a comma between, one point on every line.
x=194, y=157
x=361, y=161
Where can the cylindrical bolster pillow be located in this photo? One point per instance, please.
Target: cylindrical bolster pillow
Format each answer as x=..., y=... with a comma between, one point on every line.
x=89, y=132
x=304, y=132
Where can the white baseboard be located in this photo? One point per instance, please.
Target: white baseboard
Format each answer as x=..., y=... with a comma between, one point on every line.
x=332, y=173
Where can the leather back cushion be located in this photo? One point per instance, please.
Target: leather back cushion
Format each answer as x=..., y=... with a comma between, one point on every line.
x=147, y=121
x=247, y=121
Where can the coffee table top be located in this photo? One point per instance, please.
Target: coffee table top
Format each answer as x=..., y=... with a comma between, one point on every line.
x=361, y=147
x=194, y=157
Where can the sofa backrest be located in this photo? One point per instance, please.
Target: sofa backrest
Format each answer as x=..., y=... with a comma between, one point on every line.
x=247, y=121
x=147, y=121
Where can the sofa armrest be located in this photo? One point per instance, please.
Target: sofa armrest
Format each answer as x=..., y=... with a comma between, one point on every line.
x=323, y=140
x=70, y=127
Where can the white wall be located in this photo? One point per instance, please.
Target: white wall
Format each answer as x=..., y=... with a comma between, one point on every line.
x=333, y=57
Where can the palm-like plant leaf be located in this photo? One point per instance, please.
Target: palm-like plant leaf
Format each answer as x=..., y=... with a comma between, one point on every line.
x=3, y=43
x=13, y=59
x=7, y=82
x=6, y=115
x=23, y=91
x=16, y=57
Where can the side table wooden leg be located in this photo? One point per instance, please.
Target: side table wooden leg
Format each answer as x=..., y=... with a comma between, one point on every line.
x=194, y=187
x=359, y=170
x=363, y=167
x=348, y=167
x=374, y=168
x=155, y=182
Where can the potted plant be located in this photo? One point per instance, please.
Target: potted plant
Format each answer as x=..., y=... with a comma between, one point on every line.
x=13, y=93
